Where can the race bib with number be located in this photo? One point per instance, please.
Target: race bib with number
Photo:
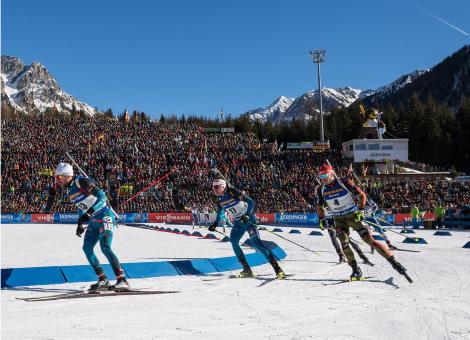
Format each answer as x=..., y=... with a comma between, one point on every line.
x=237, y=210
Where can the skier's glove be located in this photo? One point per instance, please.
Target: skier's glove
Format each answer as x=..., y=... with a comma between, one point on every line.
x=245, y=218
x=359, y=216
x=323, y=224
x=80, y=229
x=212, y=226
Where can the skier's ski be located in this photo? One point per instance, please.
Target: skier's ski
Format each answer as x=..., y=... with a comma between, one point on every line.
x=401, y=249
x=365, y=278
x=88, y=294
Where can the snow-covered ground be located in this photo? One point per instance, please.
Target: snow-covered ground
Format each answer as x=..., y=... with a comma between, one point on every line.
x=312, y=303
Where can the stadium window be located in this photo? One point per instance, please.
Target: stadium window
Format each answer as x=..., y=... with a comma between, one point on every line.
x=374, y=146
x=387, y=147
x=360, y=147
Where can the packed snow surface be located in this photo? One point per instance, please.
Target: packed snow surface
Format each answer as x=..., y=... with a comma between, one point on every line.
x=312, y=303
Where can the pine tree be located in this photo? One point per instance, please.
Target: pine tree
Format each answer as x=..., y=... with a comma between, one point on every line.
x=461, y=138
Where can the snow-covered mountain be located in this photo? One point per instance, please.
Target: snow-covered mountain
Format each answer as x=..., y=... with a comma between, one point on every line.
x=394, y=86
x=286, y=109
x=273, y=112
x=307, y=105
x=32, y=88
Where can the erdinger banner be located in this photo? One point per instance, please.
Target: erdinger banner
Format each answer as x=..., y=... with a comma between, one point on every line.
x=266, y=218
x=300, y=219
x=16, y=218
x=169, y=217
x=42, y=218
x=65, y=217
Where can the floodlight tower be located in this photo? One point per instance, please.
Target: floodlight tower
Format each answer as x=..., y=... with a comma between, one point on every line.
x=318, y=57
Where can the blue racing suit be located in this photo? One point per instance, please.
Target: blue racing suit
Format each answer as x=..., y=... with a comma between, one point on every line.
x=241, y=208
x=90, y=199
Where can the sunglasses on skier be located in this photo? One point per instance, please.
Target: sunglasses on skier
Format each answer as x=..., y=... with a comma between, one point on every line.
x=323, y=176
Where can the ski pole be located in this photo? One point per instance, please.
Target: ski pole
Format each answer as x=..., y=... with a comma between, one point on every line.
x=149, y=186
x=389, y=223
x=393, y=231
x=217, y=172
x=76, y=165
x=301, y=246
x=221, y=233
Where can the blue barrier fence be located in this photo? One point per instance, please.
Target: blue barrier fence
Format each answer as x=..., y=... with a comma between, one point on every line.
x=15, y=277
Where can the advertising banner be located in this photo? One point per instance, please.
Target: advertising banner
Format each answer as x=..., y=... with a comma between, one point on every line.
x=157, y=217
x=169, y=217
x=133, y=218
x=65, y=217
x=302, y=145
x=16, y=218
x=178, y=218
x=266, y=218
x=399, y=218
x=42, y=218
x=301, y=219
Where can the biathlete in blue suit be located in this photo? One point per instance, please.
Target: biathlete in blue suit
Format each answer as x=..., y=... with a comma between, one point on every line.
x=240, y=208
x=93, y=207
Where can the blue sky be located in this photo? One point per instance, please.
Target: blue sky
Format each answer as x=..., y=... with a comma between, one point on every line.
x=196, y=57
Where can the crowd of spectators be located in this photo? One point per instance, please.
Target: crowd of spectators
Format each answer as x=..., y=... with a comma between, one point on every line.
x=124, y=157
x=401, y=196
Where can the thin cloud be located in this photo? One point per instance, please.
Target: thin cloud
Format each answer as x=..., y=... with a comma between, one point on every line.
x=440, y=19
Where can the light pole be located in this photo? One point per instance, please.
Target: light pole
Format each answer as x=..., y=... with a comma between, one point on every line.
x=318, y=57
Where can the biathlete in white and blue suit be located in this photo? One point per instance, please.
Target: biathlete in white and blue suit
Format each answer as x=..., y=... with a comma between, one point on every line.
x=93, y=206
x=240, y=208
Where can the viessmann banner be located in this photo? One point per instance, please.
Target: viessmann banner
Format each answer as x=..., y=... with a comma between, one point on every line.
x=169, y=217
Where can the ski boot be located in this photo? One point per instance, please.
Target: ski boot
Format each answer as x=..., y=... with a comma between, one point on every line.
x=365, y=259
x=102, y=284
x=121, y=285
x=277, y=269
x=356, y=274
x=399, y=268
x=246, y=272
